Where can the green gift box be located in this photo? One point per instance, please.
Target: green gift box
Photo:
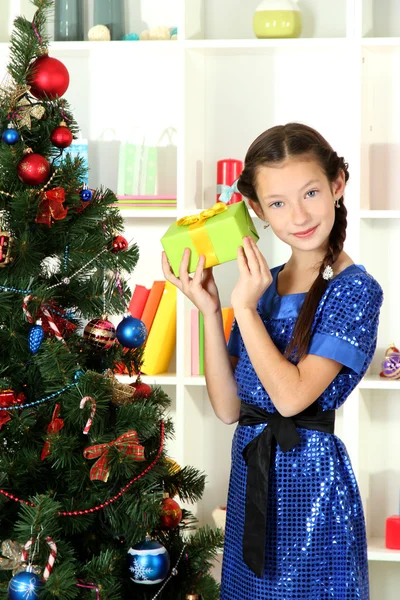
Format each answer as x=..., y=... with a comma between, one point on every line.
x=216, y=233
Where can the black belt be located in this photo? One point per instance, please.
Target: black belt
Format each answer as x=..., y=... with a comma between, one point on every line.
x=257, y=455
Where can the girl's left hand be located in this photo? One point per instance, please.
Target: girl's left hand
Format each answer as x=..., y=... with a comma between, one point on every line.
x=254, y=276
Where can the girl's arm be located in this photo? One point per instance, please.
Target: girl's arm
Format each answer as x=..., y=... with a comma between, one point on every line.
x=291, y=387
x=218, y=369
x=203, y=292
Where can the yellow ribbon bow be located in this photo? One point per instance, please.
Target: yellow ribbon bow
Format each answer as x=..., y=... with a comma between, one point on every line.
x=219, y=207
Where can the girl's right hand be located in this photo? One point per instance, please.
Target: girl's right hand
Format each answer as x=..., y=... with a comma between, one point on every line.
x=201, y=289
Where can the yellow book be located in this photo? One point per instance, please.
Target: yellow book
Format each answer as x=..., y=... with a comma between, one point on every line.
x=162, y=337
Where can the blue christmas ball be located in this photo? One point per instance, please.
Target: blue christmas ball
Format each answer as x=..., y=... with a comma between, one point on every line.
x=10, y=136
x=35, y=338
x=131, y=332
x=86, y=195
x=24, y=586
x=148, y=562
x=78, y=374
x=131, y=37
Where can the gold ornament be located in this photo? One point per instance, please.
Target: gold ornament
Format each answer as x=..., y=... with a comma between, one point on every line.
x=13, y=551
x=173, y=466
x=25, y=111
x=122, y=393
x=192, y=597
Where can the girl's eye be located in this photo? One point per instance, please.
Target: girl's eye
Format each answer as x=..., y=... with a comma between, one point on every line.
x=312, y=193
x=274, y=204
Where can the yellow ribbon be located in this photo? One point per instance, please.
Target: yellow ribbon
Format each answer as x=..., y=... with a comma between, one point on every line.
x=198, y=233
x=219, y=207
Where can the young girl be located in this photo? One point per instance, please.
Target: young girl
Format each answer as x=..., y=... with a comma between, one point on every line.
x=304, y=335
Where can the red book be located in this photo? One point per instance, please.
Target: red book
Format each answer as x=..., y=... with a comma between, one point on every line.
x=153, y=300
x=138, y=301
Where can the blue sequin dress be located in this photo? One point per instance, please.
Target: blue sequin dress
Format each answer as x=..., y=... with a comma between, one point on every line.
x=315, y=537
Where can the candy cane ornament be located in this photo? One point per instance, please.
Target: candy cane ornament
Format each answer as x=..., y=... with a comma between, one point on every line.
x=51, y=560
x=46, y=313
x=92, y=413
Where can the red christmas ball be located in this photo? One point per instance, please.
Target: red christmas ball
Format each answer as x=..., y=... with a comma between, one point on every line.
x=33, y=169
x=141, y=389
x=119, y=243
x=61, y=137
x=171, y=514
x=48, y=77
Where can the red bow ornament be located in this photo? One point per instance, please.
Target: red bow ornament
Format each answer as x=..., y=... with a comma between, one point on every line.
x=51, y=207
x=127, y=444
x=55, y=425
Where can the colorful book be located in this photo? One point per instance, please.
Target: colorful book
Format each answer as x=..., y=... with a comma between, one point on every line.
x=201, y=344
x=162, y=337
x=152, y=303
x=194, y=342
x=138, y=301
x=227, y=319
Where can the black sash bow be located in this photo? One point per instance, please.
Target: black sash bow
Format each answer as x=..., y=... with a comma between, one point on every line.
x=257, y=455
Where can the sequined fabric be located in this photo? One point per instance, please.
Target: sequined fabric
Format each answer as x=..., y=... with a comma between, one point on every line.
x=315, y=537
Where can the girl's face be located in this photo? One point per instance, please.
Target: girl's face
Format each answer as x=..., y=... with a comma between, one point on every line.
x=296, y=197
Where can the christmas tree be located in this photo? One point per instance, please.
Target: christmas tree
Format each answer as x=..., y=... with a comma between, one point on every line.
x=87, y=488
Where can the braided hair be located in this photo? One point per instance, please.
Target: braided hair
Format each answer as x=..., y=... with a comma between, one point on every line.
x=274, y=146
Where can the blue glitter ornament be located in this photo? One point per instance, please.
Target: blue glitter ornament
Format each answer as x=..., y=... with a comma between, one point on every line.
x=131, y=332
x=24, y=586
x=35, y=337
x=10, y=136
x=174, y=31
x=86, y=194
x=148, y=562
x=78, y=375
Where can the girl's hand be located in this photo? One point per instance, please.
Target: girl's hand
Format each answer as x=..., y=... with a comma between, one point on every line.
x=254, y=276
x=200, y=289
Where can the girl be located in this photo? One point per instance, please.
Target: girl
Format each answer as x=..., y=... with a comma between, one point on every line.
x=303, y=337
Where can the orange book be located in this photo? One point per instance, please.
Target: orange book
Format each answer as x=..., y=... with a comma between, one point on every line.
x=152, y=303
x=227, y=319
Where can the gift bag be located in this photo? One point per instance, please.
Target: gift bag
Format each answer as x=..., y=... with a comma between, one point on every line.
x=137, y=170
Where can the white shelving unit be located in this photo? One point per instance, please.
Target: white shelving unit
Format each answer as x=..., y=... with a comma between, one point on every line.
x=219, y=88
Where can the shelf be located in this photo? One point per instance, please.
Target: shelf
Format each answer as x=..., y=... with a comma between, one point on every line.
x=195, y=381
x=380, y=214
x=161, y=379
x=151, y=47
x=375, y=382
x=378, y=552
x=151, y=213
x=232, y=47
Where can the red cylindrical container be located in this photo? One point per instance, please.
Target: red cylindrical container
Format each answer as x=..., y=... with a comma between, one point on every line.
x=393, y=532
x=228, y=170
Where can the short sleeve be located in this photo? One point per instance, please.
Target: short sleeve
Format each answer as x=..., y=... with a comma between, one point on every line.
x=234, y=340
x=346, y=321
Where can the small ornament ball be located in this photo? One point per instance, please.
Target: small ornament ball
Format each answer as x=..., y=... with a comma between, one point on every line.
x=86, y=194
x=61, y=136
x=171, y=513
x=131, y=37
x=99, y=33
x=100, y=333
x=148, y=562
x=141, y=389
x=10, y=136
x=48, y=77
x=24, y=586
x=33, y=169
x=119, y=243
x=131, y=332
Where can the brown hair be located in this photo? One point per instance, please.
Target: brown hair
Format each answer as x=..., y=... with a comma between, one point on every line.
x=274, y=146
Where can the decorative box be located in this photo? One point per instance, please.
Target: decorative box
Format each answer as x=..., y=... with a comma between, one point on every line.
x=216, y=232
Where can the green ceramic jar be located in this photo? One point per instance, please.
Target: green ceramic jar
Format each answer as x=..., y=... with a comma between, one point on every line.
x=277, y=19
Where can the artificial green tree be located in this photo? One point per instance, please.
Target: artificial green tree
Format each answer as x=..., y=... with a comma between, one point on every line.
x=62, y=266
